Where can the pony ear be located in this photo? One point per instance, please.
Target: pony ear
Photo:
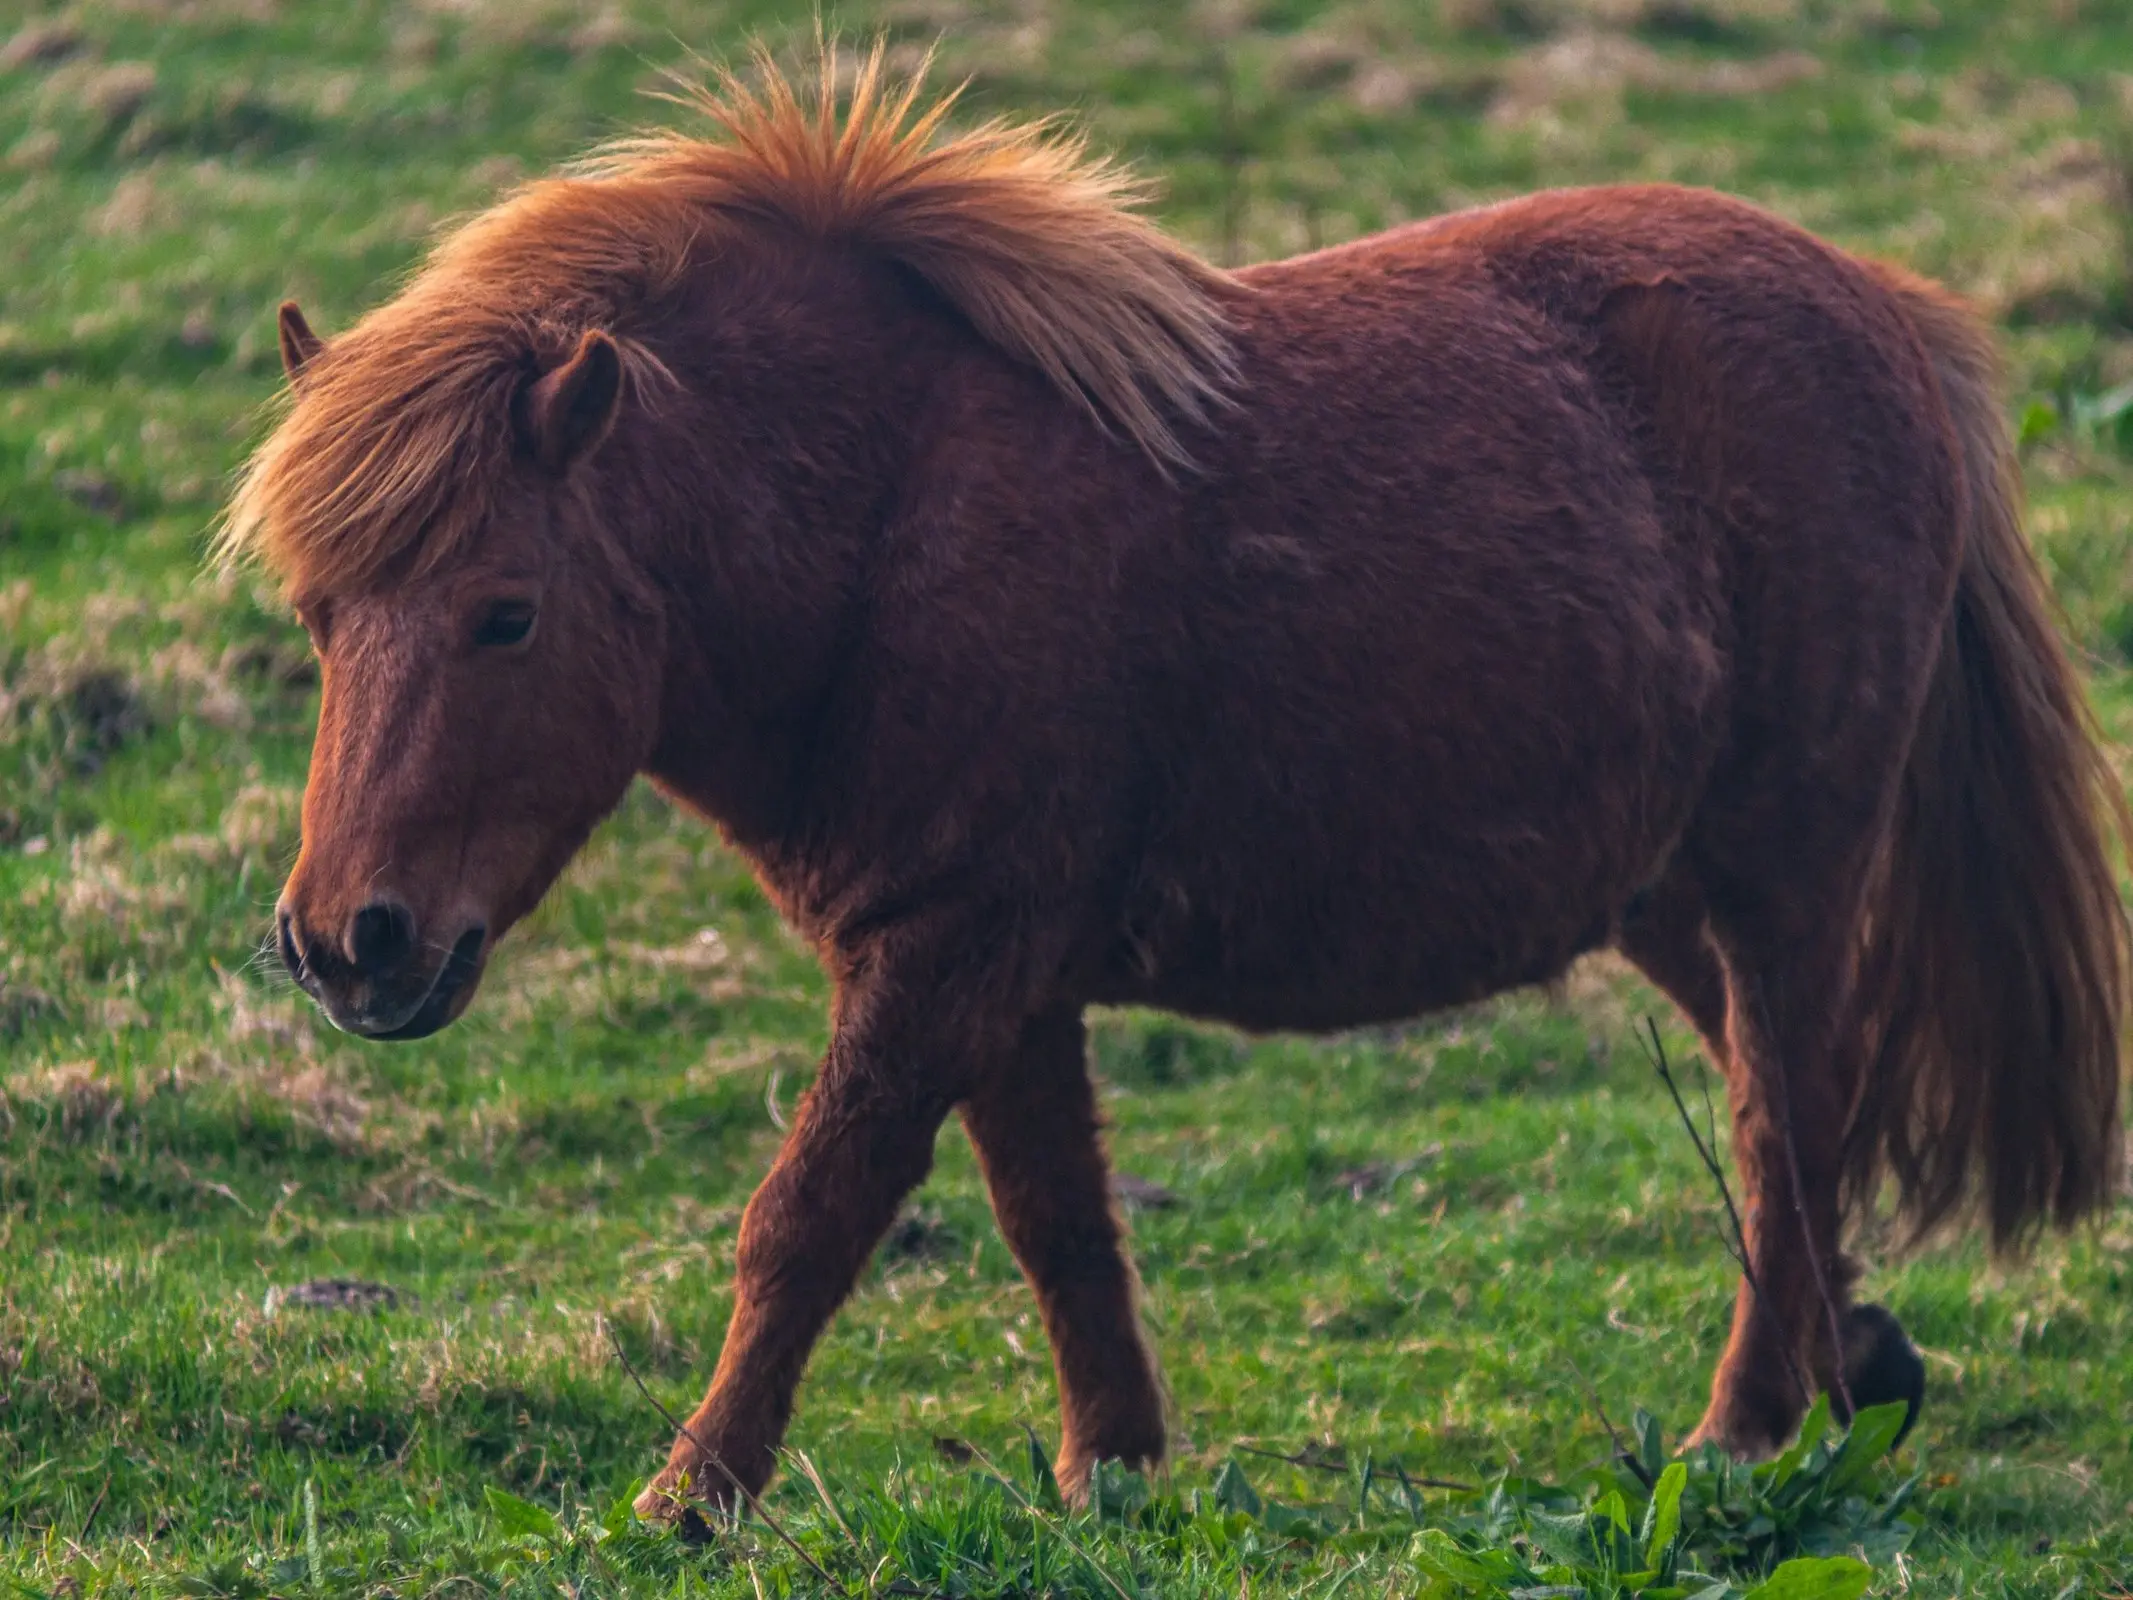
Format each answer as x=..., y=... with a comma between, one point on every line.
x=564, y=414
x=298, y=343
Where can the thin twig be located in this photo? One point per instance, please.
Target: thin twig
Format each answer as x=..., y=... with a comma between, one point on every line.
x=755, y=1504
x=1302, y=1460
x=1433, y=1483
x=1623, y=1453
x=96, y=1506
x=1412, y=1484
x=1052, y=1523
x=1814, y=1255
x=1737, y=1242
x=1710, y=1112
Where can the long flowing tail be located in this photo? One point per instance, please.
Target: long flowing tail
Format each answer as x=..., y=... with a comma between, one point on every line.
x=1994, y=979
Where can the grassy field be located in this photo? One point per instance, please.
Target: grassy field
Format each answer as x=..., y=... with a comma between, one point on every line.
x=1446, y=1247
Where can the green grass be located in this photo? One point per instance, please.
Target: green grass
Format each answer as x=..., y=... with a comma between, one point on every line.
x=1433, y=1246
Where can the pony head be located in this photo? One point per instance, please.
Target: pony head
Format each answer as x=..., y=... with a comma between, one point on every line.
x=488, y=692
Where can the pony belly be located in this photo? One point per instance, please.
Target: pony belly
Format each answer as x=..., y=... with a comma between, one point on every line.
x=1298, y=964
x=1339, y=1003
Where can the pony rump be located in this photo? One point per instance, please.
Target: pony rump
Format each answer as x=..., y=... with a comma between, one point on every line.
x=396, y=436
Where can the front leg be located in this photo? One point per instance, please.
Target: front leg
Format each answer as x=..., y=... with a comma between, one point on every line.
x=862, y=1140
x=1038, y=1135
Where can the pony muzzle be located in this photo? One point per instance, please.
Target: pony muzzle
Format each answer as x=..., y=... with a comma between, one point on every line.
x=373, y=981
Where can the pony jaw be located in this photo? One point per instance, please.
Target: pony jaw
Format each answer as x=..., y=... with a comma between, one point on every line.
x=449, y=993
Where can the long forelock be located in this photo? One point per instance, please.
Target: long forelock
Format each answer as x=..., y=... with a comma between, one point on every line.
x=396, y=443
x=398, y=434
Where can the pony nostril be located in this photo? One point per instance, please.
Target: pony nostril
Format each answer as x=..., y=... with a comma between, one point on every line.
x=380, y=938
x=285, y=941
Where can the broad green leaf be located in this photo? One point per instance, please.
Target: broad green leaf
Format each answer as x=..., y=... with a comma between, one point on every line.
x=1116, y=1491
x=1234, y=1491
x=1662, y=1521
x=1438, y=1552
x=1564, y=1538
x=2039, y=420
x=623, y=1511
x=1811, y=1433
x=1651, y=1445
x=1893, y=1507
x=1873, y=1431
x=1821, y=1578
x=522, y=1518
x=1040, y=1474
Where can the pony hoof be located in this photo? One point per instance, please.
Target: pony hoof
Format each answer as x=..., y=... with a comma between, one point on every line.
x=1881, y=1364
x=666, y=1501
x=659, y=1502
x=1075, y=1472
x=1742, y=1444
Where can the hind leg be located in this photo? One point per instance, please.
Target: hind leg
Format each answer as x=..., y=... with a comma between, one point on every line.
x=1759, y=1393
x=1669, y=938
x=1037, y=1134
x=1791, y=1072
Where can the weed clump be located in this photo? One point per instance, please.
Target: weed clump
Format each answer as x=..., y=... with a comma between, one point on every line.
x=1145, y=1050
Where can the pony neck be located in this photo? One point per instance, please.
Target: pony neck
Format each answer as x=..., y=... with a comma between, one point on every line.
x=805, y=375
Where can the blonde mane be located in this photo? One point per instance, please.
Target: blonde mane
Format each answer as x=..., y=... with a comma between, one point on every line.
x=396, y=433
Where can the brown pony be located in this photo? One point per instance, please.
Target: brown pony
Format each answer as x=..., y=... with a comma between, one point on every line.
x=1054, y=619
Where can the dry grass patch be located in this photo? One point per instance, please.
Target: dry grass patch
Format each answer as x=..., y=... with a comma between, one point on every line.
x=586, y=982
x=1375, y=65
x=104, y=898
x=267, y=1050
x=1585, y=73
x=731, y=1056
x=77, y=705
x=42, y=43
x=2059, y=254
x=77, y=1099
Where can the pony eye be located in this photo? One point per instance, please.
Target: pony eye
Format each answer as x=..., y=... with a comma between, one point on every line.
x=505, y=623
x=317, y=618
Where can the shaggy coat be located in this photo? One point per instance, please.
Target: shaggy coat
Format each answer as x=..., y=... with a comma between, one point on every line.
x=1054, y=619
